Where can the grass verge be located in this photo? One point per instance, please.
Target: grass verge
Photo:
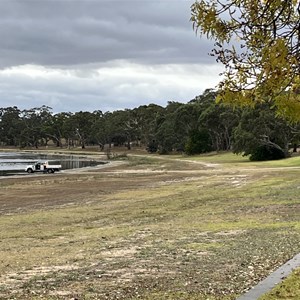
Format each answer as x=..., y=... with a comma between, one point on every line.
x=288, y=289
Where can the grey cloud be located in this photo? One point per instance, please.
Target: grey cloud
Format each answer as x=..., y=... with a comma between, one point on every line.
x=100, y=54
x=112, y=86
x=66, y=33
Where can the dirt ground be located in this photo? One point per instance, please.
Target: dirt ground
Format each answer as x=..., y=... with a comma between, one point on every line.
x=144, y=228
x=28, y=192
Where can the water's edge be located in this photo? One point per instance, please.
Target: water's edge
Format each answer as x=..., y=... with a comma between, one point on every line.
x=14, y=163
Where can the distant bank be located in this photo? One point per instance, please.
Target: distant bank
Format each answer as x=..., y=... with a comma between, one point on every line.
x=15, y=162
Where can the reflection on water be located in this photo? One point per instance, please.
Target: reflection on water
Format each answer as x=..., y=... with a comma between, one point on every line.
x=15, y=162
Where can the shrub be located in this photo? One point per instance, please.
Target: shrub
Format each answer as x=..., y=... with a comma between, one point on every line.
x=267, y=151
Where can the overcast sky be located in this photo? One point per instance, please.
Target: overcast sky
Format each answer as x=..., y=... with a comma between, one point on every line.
x=104, y=55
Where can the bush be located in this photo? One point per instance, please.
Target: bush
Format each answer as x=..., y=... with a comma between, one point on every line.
x=152, y=147
x=268, y=151
x=199, y=141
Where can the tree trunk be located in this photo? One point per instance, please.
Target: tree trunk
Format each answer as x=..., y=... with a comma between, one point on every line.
x=295, y=148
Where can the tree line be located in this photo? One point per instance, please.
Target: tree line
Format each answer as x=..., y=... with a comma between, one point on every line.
x=199, y=126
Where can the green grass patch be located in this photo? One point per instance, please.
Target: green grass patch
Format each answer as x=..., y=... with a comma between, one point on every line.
x=222, y=158
x=234, y=160
x=289, y=289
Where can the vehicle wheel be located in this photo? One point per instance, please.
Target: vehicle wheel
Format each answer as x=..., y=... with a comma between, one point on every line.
x=50, y=171
x=29, y=171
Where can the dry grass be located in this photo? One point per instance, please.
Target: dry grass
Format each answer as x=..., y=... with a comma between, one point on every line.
x=154, y=228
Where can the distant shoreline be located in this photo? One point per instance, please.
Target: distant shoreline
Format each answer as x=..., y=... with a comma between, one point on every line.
x=13, y=162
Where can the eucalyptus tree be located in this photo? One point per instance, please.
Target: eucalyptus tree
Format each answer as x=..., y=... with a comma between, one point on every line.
x=114, y=127
x=187, y=117
x=146, y=117
x=213, y=125
x=258, y=42
x=219, y=121
x=54, y=127
x=78, y=127
x=33, y=132
x=10, y=126
x=98, y=133
x=167, y=137
x=260, y=134
x=198, y=141
x=69, y=133
x=130, y=126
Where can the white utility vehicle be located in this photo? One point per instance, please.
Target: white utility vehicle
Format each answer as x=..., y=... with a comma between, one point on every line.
x=42, y=166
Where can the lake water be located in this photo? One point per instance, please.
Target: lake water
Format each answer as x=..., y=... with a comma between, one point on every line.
x=12, y=163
